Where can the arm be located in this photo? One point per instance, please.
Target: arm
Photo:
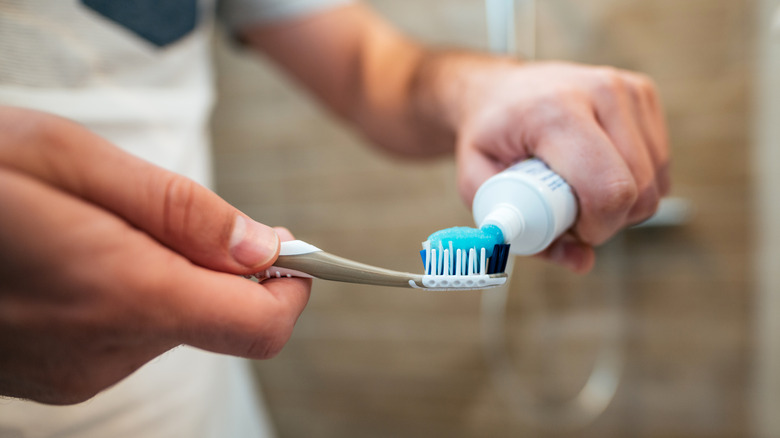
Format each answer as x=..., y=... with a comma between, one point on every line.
x=363, y=70
x=107, y=261
x=600, y=128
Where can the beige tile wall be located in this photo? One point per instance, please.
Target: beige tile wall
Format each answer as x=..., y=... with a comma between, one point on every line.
x=382, y=362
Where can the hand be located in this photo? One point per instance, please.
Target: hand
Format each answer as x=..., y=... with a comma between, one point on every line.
x=107, y=261
x=601, y=129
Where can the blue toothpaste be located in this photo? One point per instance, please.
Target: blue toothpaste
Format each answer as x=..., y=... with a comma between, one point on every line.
x=465, y=238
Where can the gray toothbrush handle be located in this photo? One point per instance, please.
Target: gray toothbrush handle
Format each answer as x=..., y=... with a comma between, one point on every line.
x=326, y=266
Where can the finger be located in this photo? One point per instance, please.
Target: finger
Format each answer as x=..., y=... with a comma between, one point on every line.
x=660, y=153
x=653, y=128
x=648, y=114
x=178, y=212
x=570, y=252
x=231, y=315
x=580, y=151
x=617, y=105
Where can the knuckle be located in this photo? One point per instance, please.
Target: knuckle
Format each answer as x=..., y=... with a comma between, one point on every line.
x=54, y=132
x=49, y=128
x=645, y=83
x=646, y=205
x=177, y=203
x=616, y=88
x=641, y=87
x=554, y=108
x=46, y=133
x=617, y=198
x=17, y=121
x=608, y=80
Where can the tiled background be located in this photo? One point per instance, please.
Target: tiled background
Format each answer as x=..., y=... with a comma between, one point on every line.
x=367, y=361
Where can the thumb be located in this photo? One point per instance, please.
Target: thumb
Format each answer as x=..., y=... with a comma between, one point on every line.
x=187, y=218
x=181, y=214
x=474, y=168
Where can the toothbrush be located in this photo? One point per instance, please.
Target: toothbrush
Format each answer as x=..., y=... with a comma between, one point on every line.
x=300, y=259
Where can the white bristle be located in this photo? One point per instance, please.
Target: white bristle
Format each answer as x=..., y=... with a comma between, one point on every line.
x=434, y=271
x=451, y=259
x=446, y=260
x=458, y=268
x=427, y=248
x=438, y=260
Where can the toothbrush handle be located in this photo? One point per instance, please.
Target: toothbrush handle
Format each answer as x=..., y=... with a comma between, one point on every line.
x=300, y=259
x=327, y=266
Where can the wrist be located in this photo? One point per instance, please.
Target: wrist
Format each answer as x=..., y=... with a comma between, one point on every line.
x=449, y=85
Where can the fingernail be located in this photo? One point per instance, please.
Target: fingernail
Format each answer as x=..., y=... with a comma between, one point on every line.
x=252, y=243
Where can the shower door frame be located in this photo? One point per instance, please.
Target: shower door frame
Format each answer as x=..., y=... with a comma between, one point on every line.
x=766, y=237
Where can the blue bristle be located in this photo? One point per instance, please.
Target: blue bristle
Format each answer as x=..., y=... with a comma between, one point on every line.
x=503, y=257
x=497, y=263
x=493, y=261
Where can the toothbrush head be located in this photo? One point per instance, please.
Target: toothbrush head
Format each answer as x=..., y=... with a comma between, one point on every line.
x=465, y=258
x=465, y=251
x=458, y=269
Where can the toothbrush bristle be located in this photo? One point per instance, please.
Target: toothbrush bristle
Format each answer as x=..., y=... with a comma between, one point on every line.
x=446, y=261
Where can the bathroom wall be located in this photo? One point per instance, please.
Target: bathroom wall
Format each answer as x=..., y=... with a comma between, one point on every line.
x=367, y=361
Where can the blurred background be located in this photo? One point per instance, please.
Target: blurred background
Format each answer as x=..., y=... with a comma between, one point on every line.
x=682, y=314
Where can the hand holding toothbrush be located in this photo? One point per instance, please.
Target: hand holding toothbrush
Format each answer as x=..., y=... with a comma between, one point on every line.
x=107, y=261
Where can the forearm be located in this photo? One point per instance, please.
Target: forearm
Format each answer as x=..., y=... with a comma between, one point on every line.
x=393, y=89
